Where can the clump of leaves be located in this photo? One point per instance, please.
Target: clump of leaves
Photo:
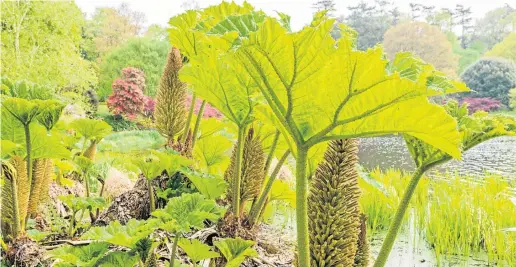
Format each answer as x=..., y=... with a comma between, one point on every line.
x=196, y=250
x=115, y=233
x=236, y=250
x=77, y=204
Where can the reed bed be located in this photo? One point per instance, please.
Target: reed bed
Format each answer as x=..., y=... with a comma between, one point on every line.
x=457, y=215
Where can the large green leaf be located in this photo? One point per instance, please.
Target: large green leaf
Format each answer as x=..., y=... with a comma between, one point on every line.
x=9, y=147
x=318, y=91
x=84, y=256
x=91, y=129
x=118, y=258
x=474, y=129
x=50, y=112
x=23, y=110
x=82, y=203
x=121, y=235
x=236, y=250
x=196, y=250
x=211, y=187
x=44, y=145
x=186, y=212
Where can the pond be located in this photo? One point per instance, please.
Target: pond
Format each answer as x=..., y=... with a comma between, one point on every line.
x=494, y=156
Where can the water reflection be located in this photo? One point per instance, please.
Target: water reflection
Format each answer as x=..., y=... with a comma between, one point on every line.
x=495, y=156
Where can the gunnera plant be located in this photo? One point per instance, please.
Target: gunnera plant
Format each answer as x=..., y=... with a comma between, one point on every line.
x=333, y=211
x=253, y=170
x=363, y=250
x=170, y=111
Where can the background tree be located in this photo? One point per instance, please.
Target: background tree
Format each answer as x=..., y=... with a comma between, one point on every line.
x=444, y=19
x=463, y=19
x=370, y=21
x=467, y=56
x=143, y=53
x=425, y=41
x=127, y=98
x=328, y=5
x=506, y=49
x=109, y=28
x=491, y=77
x=40, y=43
x=156, y=32
x=495, y=25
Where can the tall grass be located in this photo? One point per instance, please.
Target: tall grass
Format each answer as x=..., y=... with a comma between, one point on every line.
x=456, y=215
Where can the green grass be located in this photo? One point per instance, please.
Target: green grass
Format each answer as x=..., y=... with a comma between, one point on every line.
x=103, y=110
x=506, y=112
x=127, y=141
x=457, y=215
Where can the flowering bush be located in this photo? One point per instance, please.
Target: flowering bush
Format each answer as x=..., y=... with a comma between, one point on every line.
x=481, y=103
x=127, y=98
x=209, y=110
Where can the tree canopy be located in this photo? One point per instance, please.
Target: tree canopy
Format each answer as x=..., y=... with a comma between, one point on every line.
x=425, y=41
x=505, y=49
x=40, y=43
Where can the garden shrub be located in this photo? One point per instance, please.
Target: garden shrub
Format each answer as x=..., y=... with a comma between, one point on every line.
x=512, y=98
x=142, y=53
x=148, y=106
x=119, y=124
x=481, y=103
x=490, y=77
x=127, y=98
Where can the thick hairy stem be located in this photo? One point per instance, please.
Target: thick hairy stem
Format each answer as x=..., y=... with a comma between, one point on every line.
x=398, y=219
x=72, y=222
x=238, y=171
x=151, y=196
x=303, y=245
x=173, y=252
x=198, y=123
x=188, y=120
x=271, y=152
x=28, y=148
x=86, y=183
x=256, y=209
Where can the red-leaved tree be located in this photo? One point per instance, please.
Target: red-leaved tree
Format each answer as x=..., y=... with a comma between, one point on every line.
x=481, y=103
x=127, y=98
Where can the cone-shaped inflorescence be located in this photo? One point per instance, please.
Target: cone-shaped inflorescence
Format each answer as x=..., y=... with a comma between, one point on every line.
x=38, y=175
x=170, y=112
x=47, y=180
x=333, y=212
x=253, y=173
x=10, y=213
x=363, y=251
x=23, y=187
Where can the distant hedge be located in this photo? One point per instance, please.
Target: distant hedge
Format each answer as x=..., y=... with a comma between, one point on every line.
x=491, y=77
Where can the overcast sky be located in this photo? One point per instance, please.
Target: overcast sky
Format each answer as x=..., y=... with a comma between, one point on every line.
x=160, y=11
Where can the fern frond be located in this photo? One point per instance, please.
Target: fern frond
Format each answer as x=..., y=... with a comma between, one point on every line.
x=333, y=211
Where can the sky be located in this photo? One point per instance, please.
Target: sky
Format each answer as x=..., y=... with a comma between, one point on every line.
x=160, y=11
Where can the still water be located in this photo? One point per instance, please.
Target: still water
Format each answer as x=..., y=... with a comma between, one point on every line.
x=494, y=156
